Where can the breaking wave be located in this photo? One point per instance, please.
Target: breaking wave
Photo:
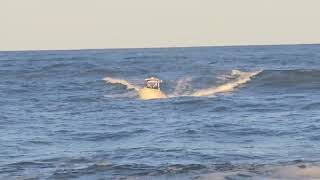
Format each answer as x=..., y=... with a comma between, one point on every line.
x=241, y=78
x=121, y=81
x=184, y=87
x=289, y=79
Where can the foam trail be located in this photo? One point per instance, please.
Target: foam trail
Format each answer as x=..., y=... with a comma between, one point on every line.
x=121, y=81
x=242, y=78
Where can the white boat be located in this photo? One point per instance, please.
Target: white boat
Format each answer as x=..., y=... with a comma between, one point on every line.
x=151, y=89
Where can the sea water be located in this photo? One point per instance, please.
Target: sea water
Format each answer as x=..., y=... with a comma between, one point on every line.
x=250, y=112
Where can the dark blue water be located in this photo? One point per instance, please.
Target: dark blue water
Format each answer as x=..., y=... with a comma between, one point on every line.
x=60, y=120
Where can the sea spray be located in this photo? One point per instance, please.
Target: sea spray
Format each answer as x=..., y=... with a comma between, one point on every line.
x=121, y=81
x=184, y=85
x=241, y=78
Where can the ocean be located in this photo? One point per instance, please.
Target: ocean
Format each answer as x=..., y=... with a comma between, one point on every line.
x=235, y=113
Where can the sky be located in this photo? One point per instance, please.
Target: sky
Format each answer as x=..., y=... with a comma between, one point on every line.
x=91, y=24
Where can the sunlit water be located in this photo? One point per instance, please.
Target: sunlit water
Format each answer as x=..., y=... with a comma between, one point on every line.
x=231, y=113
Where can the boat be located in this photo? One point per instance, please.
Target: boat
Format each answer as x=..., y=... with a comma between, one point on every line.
x=151, y=89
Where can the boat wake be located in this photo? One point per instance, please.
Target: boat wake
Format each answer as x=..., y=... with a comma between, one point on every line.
x=240, y=79
x=121, y=81
x=184, y=87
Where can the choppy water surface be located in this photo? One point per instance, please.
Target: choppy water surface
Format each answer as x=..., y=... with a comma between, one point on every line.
x=232, y=113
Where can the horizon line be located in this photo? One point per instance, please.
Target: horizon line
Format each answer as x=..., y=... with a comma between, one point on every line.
x=159, y=47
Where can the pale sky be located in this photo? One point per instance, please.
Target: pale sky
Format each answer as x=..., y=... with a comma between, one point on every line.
x=89, y=24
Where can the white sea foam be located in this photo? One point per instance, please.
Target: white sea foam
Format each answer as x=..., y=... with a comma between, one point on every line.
x=121, y=81
x=240, y=79
x=183, y=86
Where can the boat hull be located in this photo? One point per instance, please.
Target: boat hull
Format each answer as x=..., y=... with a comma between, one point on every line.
x=148, y=93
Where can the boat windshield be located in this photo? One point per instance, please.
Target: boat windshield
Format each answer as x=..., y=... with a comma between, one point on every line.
x=153, y=84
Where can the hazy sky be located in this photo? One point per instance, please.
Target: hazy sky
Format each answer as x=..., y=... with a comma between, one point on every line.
x=79, y=24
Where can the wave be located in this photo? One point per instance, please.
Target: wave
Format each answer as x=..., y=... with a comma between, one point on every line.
x=289, y=78
x=184, y=87
x=241, y=78
x=92, y=169
x=275, y=172
x=121, y=81
x=312, y=106
x=199, y=171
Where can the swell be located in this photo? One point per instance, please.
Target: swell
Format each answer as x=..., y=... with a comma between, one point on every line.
x=288, y=78
x=184, y=87
x=104, y=136
x=276, y=172
x=93, y=169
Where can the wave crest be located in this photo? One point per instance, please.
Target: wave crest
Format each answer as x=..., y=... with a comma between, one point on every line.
x=240, y=79
x=183, y=86
x=121, y=81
